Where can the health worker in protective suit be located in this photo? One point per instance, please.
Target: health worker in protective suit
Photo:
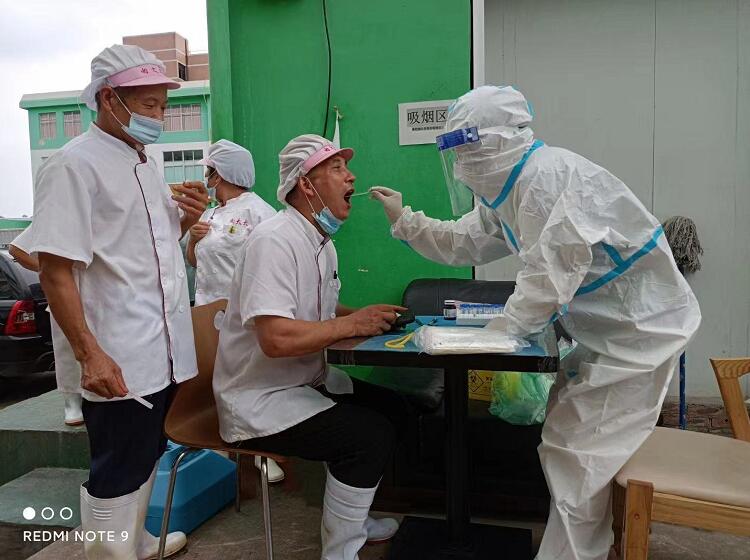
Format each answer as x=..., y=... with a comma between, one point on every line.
x=595, y=259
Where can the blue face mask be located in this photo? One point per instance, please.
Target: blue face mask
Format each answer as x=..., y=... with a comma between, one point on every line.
x=325, y=218
x=141, y=128
x=211, y=190
x=212, y=201
x=328, y=221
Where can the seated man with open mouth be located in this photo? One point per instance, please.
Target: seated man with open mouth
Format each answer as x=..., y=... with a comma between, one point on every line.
x=274, y=390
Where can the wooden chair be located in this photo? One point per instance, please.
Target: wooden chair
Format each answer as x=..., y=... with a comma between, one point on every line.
x=192, y=419
x=688, y=478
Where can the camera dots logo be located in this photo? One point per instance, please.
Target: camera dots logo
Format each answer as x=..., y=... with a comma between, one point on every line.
x=47, y=514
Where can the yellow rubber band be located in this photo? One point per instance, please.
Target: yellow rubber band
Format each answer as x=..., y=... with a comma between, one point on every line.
x=400, y=342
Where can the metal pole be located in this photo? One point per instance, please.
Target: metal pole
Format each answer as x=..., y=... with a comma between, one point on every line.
x=238, y=474
x=683, y=403
x=266, y=506
x=168, y=505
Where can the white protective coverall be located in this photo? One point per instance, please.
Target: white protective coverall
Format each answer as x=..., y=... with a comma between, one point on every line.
x=595, y=259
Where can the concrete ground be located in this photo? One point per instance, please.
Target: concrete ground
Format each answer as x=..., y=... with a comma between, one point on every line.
x=44, y=498
x=33, y=434
x=296, y=507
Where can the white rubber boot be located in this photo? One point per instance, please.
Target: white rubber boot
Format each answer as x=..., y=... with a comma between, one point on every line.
x=73, y=412
x=380, y=530
x=110, y=526
x=342, y=529
x=275, y=473
x=148, y=545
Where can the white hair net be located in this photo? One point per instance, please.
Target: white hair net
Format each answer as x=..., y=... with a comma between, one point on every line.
x=112, y=60
x=293, y=156
x=232, y=162
x=489, y=106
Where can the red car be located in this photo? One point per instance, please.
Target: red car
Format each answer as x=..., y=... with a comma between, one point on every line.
x=25, y=337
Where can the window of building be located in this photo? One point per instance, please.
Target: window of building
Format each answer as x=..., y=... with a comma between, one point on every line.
x=47, y=126
x=181, y=71
x=182, y=117
x=173, y=119
x=183, y=166
x=72, y=123
x=191, y=117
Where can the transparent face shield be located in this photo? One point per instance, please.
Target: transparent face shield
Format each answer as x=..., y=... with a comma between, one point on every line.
x=450, y=146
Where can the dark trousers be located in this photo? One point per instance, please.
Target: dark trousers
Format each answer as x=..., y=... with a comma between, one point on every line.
x=356, y=436
x=126, y=439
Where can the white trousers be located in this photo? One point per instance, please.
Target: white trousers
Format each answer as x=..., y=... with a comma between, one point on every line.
x=600, y=412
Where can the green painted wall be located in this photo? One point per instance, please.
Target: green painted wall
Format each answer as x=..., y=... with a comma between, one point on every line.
x=220, y=69
x=269, y=83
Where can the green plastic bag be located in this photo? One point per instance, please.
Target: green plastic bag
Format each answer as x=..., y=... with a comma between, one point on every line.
x=521, y=398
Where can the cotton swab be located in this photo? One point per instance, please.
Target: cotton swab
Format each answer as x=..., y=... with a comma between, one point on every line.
x=144, y=402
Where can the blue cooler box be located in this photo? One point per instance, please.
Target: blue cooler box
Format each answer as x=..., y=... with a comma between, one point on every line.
x=205, y=484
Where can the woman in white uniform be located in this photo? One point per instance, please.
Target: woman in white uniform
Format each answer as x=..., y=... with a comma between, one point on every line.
x=222, y=230
x=215, y=241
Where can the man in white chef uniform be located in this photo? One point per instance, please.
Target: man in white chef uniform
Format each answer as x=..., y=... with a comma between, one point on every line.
x=274, y=391
x=106, y=231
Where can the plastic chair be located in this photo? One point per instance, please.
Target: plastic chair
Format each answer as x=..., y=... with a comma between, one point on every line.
x=688, y=478
x=192, y=420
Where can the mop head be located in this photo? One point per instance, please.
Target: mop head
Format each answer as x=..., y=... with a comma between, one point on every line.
x=682, y=236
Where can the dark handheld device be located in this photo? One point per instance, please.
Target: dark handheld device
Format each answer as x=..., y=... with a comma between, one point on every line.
x=402, y=320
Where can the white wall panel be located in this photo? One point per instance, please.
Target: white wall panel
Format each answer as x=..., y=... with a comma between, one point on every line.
x=658, y=92
x=695, y=172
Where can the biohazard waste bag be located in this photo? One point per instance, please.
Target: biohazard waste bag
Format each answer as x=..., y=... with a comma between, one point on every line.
x=521, y=398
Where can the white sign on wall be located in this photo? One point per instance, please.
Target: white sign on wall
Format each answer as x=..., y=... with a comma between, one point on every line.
x=421, y=122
